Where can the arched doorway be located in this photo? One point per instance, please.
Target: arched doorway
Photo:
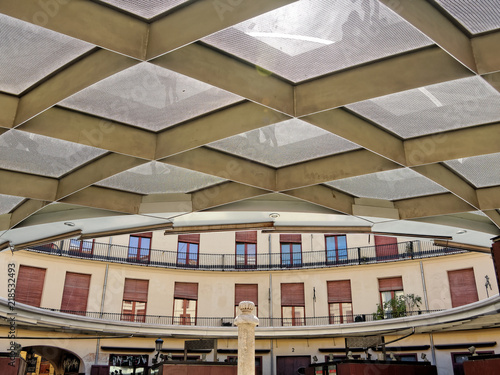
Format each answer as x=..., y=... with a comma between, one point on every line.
x=50, y=360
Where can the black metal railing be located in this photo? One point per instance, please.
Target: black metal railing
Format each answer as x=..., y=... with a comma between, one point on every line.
x=261, y=261
x=228, y=321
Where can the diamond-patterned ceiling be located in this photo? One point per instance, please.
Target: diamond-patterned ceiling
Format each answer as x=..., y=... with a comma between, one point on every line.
x=316, y=103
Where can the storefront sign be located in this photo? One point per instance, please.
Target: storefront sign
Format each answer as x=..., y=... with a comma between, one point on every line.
x=128, y=360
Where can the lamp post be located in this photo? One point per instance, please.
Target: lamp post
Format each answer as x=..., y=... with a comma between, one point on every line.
x=158, y=346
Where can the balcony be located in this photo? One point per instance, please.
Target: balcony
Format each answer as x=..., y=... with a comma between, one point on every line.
x=262, y=261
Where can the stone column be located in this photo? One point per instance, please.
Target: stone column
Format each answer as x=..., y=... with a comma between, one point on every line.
x=246, y=323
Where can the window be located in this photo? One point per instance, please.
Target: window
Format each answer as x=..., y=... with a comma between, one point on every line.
x=245, y=292
x=29, y=285
x=336, y=249
x=246, y=249
x=291, y=250
x=390, y=288
x=386, y=247
x=340, y=301
x=462, y=287
x=187, y=250
x=185, y=303
x=135, y=298
x=76, y=293
x=81, y=247
x=139, y=247
x=292, y=304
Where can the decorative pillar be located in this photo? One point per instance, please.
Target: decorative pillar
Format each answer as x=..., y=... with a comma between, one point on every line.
x=246, y=323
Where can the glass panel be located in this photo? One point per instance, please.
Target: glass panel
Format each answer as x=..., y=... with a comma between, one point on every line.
x=182, y=249
x=297, y=254
x=342, y=247
x=87, y=246
x=287, y=312
x=74, y=244
x=298, y=316
x=284, y=143
x=285, y=254
x=335, y=313
x=159, y=178
x=193, y=254
x=251, y=254
x=347, y=313
x=133, y=246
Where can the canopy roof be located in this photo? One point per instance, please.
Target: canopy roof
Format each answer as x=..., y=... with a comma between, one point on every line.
x=337, y=116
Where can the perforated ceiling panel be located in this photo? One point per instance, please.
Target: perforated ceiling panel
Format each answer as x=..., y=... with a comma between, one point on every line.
x=391, y=185
x=145, y=8
x=37, y=154
x=8, y=202
x=28, y=53
x=481, y=171
x=285, y=143
x=149, y=97
x=156, y=177
x=435, y=108
x=476, y=15
x=310, y=38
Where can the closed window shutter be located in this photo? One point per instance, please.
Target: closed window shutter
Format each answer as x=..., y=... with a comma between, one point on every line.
x=339, y=291
x=191, y=238
x=29, y=285
x=136, y=290
x=186, y=291
x=292, y=294
x=390, y=283
x=246, y=292
x=76, y=292
x=247, y=236
x=290, y=238
x=462, y=287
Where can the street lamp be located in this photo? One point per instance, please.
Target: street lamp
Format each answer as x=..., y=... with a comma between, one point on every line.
x=158, y=346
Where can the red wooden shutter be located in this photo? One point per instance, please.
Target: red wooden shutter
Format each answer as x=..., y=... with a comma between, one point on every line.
x=136, y=290
x=29, y=285
x=339, y=291
x=76, y=292
x=390, y=283
x=191, y=238
x=144, y=234
x=462, y=287
x=186, y=291
x=247, y=236
x=245, y=292
x=292, y=294
x=290, y=238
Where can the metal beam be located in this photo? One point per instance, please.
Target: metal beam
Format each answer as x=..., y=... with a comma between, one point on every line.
x=8, y=109
x=437, y=27
x=85, y=20
x=217, y=69
x=489, y=198
x=25, y=210
x=348, y=164
x=93, y=131
x=453, y=144
x=394, y=74
x=28, y=185
x=234, y=120
x=95, y=171
x=202, y=18
x=222, y=194
x=357, y=130
x=108, y=199
x=487, y=52
x=77, y=76
x=222, y=165
x=494, y=216
x=446, y=178
x=433, y=205
x=324, y=196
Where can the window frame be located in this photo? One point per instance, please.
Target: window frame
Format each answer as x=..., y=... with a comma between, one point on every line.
x=290, y=253
x=77, y=246
x=138, y=258
x=186, y=260
x=336, y=249
x=246, y=255
x=182, y=320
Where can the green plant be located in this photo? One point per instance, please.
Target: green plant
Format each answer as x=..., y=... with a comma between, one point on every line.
x=398, y=307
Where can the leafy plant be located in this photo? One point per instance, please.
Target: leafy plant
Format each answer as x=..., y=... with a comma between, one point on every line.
x=398, y=307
